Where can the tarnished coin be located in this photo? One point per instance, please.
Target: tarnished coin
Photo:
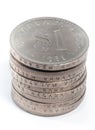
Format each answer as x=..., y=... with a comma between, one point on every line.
x=43, y=109
x=53, y=89
x=49, y=44
x=48, y=85
x=50, y=97
x=48, y=63
x=45, y=76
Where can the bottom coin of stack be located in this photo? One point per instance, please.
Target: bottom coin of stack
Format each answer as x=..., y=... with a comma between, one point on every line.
x=57, y=93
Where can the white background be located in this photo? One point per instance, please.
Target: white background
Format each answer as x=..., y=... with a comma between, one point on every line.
x=13, y=12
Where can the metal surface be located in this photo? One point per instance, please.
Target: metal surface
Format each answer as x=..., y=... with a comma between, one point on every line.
x=29, y=84
x=43, y=109
x=54, y=96
x=49, y=89
x=45, y=76
x=49, y=43
x=48, y=63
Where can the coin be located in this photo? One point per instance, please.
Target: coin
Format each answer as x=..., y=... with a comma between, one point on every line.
x=48, y=64
x=49, y=97
x=61, y=88
x=43, y=109
x=45, y=76
x=49, y=85
x=49, y=43
x=67, y=99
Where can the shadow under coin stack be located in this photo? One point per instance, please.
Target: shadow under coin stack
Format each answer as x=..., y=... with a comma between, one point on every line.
x=47, y=60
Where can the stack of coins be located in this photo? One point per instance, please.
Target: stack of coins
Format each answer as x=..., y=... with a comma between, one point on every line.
x=47, y=60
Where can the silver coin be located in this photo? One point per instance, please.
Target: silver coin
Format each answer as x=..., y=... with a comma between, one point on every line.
x=50, y=89
x=45, y=76
x=49, y=43
x=47, y=85
x=51, y=96
x=48, y=68
x=67, y=100
x=43, y=109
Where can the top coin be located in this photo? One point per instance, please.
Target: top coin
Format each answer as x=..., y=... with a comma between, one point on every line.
x=49, y=43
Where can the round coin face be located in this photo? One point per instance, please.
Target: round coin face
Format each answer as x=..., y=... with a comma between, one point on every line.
x=49, y=42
